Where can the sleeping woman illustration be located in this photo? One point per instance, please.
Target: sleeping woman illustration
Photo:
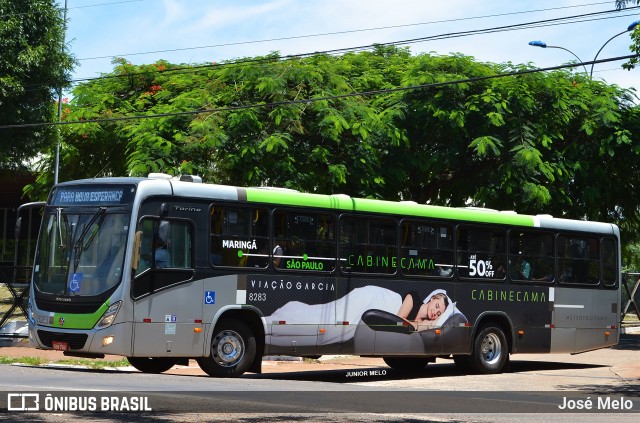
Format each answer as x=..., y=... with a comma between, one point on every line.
x=414, y=314
x=380, y=308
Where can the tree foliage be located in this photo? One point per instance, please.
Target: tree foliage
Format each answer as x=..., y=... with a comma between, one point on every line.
x=621, y=4
x=635, y=35
x=34, y=64
x=556, y=142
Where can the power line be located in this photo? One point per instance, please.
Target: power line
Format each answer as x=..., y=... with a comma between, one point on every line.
x=314, y=100
x=193, y=69
x=529, y=25
x=526, y=25
x=350, y=32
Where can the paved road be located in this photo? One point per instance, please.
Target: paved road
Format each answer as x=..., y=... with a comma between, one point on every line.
x=359, y=387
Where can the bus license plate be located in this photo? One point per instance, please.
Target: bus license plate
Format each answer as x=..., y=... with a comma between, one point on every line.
x=60, y=345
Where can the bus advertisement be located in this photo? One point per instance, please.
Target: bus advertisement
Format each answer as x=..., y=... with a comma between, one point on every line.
x=162, y=270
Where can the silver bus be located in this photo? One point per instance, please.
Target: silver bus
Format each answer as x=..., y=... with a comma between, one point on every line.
x=162, y=270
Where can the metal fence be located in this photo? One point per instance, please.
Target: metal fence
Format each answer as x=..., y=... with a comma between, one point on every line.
x=630, y=294
x=14, y=292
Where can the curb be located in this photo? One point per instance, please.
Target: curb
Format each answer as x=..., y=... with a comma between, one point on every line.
x=281, y=358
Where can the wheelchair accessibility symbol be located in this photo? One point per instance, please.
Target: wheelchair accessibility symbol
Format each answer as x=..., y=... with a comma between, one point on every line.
x=74, y=282
x=210, y=297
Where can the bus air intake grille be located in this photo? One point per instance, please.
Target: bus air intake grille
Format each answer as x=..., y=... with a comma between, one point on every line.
x=75, y=341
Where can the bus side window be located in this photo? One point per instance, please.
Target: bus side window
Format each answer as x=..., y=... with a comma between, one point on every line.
x=579, y=259
x=239, y=236
x=481, y=252
x=531, y=256
x=426, y=249
x=163, y=244
x=305, y=241
x=609, y=262
x=352, y=244
x=179, y=246
x=146, y=229
x=368, y=245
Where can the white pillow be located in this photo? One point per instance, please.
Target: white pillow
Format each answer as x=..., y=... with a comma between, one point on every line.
x=451, y=308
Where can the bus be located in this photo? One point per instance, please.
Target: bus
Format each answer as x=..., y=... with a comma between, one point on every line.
x=165, y=269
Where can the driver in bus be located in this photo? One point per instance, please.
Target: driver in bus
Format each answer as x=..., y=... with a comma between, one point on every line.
x=160, y=252
x=160, y=255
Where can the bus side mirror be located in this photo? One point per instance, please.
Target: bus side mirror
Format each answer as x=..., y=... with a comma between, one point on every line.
x=18, y=227
x=137, y=244
x=163, y=231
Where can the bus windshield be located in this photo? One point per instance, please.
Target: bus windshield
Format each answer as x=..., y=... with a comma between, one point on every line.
x=80, y=253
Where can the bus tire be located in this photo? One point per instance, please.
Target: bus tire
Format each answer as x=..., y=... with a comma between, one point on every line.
x=233, y=349
x=152, y=364
x=490, y=350
x=406, y=364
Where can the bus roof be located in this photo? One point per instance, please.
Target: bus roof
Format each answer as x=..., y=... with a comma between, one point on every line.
x=410, y=208
x=402, y=208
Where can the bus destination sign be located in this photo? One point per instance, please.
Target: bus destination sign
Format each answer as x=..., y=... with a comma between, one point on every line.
x=85, y=196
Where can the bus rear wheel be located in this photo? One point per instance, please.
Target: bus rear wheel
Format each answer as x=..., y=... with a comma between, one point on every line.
x=407, y=364
x=233, y=348
x=490, y=351
x=152, y=364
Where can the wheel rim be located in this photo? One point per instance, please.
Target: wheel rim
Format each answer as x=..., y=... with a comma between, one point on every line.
x=491, y=349
x=228, y=348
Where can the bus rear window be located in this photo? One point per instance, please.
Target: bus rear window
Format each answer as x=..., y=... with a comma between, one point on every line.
x=578, y=259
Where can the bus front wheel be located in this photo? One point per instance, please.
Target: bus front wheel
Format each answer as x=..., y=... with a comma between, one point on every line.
x=233, y=348
x=490, y=351
x=152, y=364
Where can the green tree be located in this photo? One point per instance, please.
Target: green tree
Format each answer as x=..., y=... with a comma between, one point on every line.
x=34, y=64
x=635, y=35
x=533, y=142
x=309, y=145
x=553, y=142
x=621, y=4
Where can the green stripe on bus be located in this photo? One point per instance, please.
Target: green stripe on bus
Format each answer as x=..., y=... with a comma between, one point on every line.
x=408, y=209
x=292, y=198
x=439, y=212
x=79, y=321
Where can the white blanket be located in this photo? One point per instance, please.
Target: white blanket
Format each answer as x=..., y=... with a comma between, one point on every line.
x=333, y=314
x=346, y=309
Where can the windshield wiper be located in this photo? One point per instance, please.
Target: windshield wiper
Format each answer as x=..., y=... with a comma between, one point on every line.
x=59, y=223
x=77, y=247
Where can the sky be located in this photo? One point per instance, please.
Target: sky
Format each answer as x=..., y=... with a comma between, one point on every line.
x=205, y=31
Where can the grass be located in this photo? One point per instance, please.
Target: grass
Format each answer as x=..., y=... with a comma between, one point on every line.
x=6, y=300
x=631, y=319
x=92, y=364
x=96, y=364
x=31, y=361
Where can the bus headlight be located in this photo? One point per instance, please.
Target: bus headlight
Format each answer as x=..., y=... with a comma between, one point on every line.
x=109, y=315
